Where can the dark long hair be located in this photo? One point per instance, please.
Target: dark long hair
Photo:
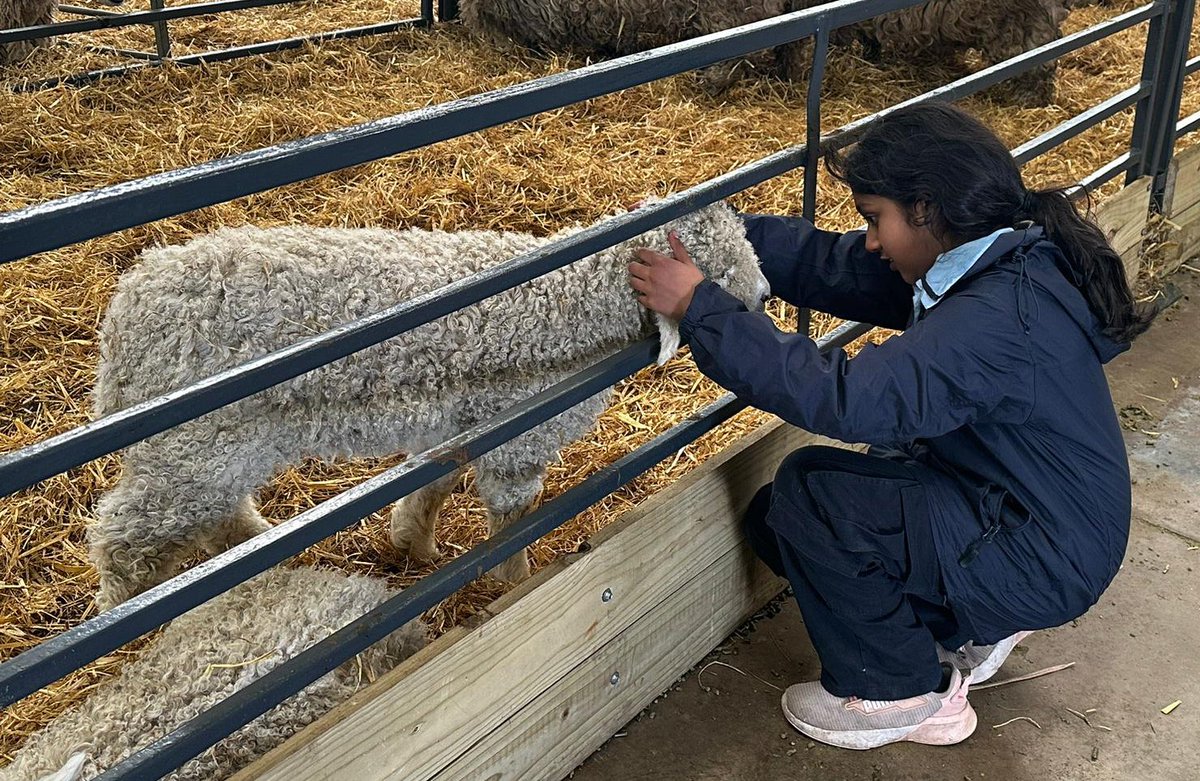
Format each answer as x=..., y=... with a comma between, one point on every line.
x=939, y=155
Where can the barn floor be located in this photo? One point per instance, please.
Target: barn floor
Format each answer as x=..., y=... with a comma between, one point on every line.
x=1134, y=653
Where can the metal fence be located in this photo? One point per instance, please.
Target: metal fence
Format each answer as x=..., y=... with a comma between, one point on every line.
x=79, y=217
x=158, y=18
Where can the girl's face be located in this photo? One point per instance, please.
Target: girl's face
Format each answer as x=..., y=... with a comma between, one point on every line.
x=909, y=249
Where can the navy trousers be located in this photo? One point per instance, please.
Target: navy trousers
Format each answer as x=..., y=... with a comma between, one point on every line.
x=851, y=532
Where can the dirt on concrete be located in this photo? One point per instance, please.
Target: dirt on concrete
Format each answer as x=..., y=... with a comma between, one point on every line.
x=1134, y=653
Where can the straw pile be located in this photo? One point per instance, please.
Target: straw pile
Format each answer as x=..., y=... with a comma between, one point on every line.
x=571, y=165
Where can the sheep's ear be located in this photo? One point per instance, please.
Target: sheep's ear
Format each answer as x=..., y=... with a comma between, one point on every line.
x=668, y=337
x=71, y=771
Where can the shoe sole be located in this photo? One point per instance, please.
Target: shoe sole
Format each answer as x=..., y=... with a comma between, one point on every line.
x=991, y=665
x=934, y=731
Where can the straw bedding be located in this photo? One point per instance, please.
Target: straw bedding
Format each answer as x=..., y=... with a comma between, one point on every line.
x=571, y=165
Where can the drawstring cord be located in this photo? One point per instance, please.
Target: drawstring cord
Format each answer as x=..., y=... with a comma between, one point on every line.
x=1025, y=282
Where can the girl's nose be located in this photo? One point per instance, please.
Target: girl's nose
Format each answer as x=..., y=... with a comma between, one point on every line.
x=872, y=244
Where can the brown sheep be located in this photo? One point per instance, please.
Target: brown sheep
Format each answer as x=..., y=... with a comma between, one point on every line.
x=26, y=13
x=938, y=28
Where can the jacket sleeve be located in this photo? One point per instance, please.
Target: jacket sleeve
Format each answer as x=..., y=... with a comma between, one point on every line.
x=827, y=271
x=949, y=370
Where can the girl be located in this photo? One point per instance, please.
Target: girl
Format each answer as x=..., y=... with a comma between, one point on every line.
x=996, y=498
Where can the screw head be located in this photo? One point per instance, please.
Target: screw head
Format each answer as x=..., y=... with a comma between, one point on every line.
x=607, y=595
x=615, y=678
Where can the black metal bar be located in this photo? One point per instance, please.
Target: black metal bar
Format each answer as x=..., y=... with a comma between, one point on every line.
x=1140, y=137
x=54, y=658
x=1078, y=124
x=1188, y=124
x=447, y=10
x=1191, y=66
x=427, y=11
x=812, y=129
x=193, y=737
x=87, y=215
x=1111, y=170
x=29, y=465
x=58, y=656
x=80, y=10
x=240, y=708
x=137, y=55
x=1163, y=69
x=1171, y=88
x=997, y=73
x=812, y=121
x=221, y=55
x=162, y=36
x=24, y=467
x=109, y=20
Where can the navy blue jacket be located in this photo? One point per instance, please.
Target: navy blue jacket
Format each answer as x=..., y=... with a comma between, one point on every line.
x=997, y=396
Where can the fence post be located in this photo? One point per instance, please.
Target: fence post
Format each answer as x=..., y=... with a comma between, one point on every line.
x=447, y=10
x=1157, y=113
x=812, y=159
x=162, y=37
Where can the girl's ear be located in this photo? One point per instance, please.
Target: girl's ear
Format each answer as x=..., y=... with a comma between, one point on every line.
x=668, y=337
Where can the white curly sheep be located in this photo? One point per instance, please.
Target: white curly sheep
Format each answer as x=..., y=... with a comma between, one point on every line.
x=207, y=655
x=190, y=311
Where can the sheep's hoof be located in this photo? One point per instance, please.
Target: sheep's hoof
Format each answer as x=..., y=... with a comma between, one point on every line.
x=514, y=570
x=422, y=550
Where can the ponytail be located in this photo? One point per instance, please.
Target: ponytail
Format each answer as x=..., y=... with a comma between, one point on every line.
x=1093, y=265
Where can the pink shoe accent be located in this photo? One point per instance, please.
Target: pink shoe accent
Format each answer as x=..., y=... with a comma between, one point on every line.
x=953, y=723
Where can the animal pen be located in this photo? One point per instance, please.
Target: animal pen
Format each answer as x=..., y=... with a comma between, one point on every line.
x=532, y=683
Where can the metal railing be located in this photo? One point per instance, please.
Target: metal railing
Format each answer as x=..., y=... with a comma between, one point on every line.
x=76, y=218
x=158, y=18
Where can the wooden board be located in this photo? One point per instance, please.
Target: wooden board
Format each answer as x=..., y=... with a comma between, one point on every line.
x=1123, y=218
x=1183, y=207
x=432, y=710
x=561, y=728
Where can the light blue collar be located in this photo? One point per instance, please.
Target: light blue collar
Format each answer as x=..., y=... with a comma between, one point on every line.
x=949, y=267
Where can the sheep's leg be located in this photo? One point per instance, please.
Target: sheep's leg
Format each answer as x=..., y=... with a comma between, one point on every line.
x=1017, y=30
x=179, y=491
x=508, y=496
x=718, y=78
x=414, y=518
x=246, y=522
x=138, y=540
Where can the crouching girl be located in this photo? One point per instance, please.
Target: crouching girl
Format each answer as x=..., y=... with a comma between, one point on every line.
x=996, y=498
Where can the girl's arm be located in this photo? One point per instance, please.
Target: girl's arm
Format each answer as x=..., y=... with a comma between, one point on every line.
x=827, y=271
x=963, y=362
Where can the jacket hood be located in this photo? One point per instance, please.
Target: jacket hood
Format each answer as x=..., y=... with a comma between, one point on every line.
x=1038, y=261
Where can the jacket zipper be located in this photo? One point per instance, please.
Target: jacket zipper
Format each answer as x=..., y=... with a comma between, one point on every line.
x=972, y=551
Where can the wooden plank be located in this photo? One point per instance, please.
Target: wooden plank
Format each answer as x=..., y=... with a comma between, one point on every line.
x=425, y=714
x=1123, y=219
x=1186, y=238
x=1185, y=192
x=557, y=731
x=1182, y=208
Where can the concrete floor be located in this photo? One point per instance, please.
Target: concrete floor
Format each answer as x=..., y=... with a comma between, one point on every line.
x=1135, y=652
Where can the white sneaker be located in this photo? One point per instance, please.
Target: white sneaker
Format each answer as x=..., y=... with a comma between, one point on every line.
x=936, y=719
x=980, y=662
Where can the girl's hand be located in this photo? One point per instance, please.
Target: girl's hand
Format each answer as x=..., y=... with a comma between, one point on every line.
x=665, y=283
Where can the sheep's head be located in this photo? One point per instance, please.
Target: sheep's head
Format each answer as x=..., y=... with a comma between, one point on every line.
x=716, y=240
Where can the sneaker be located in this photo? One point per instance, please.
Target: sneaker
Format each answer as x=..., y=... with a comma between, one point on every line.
x=980, y=662
x=936, y=719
